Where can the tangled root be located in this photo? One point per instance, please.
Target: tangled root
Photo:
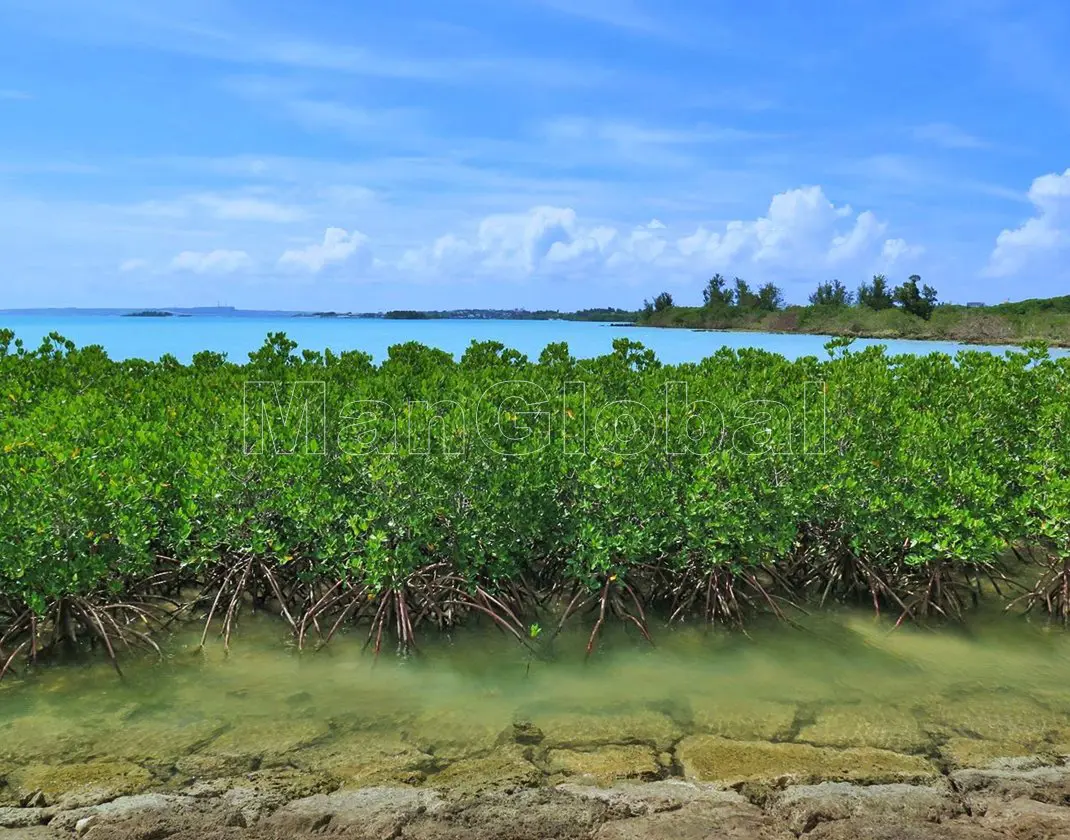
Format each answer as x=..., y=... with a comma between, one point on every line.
x=608, y=600
x=231, y=582
x=67, y=623
x=1051, y=591
x=846, y=576
x=729, y=596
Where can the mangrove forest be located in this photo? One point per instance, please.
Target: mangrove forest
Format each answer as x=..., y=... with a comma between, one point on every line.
x=405, y=498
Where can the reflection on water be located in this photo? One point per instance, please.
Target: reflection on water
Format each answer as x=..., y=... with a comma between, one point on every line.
x=843, y=680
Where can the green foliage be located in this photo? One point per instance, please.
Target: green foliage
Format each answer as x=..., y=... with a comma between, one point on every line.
x=832, y=294
x=743, y=297
x=717, y=294
x=770, y=298
x=495, y=470
x=910, y=298
x=875, y=294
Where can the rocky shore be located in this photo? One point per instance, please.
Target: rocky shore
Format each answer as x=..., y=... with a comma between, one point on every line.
x=222, y=756
x=1020, y=798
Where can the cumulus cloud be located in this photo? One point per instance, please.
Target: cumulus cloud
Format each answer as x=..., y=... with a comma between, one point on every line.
x=211, y=262
x=338, y=246
x=801, y=231
x=133, y=265
x=895, y=250
x=1038, y=243
x=801, y=228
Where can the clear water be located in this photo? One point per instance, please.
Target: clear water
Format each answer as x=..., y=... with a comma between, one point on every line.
x=1002, y=686
x=149, y=338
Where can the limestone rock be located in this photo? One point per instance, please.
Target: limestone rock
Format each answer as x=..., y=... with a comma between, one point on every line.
x=606, y=764
x=803, y=807
x=78, y=785
x=503, y=769
x=713, y=759
x=368, y=813
x=579, y=729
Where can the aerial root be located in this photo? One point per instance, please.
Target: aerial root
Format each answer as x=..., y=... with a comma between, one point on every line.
x=728, y=596
x=1051, y=591
x=249, y=575
x=945, y=590
x=609, y=600
x=68, y=621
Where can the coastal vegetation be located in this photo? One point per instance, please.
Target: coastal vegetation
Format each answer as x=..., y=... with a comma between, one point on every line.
x=875, y=310
x=149, y=313
x=426, y=492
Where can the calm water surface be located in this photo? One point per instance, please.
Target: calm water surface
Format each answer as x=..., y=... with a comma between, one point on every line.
x=844, y=679
x=149, y=338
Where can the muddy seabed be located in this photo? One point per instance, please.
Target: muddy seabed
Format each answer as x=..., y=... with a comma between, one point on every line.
x=840, y=730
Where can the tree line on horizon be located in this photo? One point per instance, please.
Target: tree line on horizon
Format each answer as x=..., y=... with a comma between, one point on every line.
x=720, y=298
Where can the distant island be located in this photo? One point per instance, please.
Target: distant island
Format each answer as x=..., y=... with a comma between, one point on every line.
x=877, y=309
x=609, y=314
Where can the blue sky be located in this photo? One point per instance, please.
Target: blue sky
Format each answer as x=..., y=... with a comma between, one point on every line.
x=537, y=153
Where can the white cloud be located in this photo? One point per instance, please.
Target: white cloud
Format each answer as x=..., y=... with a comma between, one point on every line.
x=211, y=262
x=1038, y=243
x=854, y=243
x=338, y=246
x=801, y=228
x=802, y=231
x=249, y=209
x=237, y=208
x=898, y=249
x=948, y=136
x=133, y=265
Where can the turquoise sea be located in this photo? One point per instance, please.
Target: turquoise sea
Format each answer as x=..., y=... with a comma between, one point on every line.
x=150, y=338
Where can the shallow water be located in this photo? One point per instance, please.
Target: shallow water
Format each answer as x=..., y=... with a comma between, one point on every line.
x=149, y=338
x=999, y=687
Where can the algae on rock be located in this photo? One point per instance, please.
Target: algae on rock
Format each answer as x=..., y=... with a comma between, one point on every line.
x=712, y=759
x=605, y=764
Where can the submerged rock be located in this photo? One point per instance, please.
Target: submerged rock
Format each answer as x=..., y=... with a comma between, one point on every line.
x=46, y=738
x=267, y=742
x=77, y=785
x=606, y=764
x=743, y=720
x=883, y=727
x=972, y=752
x=453, y=734
x=1004, y=716
x=525, y=732
x=713, y=759
x=503, y=769
x=579, y=729
x=367, y=759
